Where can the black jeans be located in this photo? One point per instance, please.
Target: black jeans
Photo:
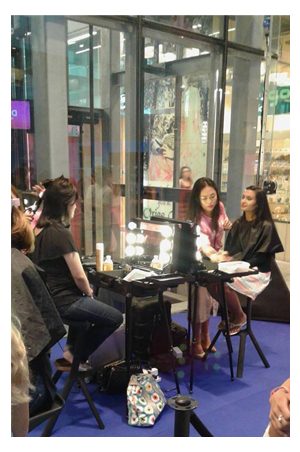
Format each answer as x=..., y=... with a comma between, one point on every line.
x=103, y=319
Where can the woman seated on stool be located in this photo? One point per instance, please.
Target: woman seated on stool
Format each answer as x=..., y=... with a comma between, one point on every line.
x=208, y=212
x=56, y=252
x=253, y=238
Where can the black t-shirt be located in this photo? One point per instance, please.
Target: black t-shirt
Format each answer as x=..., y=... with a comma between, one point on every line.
x=51, y=244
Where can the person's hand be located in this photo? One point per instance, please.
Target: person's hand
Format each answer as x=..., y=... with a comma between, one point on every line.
x=279, y=413
x=38, y=188
x=221, y=256
x=227, y=225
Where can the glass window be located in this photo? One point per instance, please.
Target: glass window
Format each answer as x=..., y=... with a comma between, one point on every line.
x=247, y=30
x=22, y=123
x=240, y=153
x=275, y=162
x=84, y=118
x=100, y=138
x=78, y=64
x=204, y=25
x=181, y=108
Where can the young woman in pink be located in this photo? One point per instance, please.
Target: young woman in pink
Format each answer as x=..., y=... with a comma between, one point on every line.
x=208, y=212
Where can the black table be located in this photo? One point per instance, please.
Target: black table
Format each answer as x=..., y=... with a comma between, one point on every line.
x=211, y=275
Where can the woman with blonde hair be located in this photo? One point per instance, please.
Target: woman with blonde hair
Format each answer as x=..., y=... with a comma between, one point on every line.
x=41, y=324
x=20, y=383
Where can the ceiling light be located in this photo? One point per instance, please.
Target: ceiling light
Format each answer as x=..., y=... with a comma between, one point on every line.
x=78, y=38
x=82, y=51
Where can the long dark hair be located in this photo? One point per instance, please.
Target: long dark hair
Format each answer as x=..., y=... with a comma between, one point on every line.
x=262, y=210
x=59, y=194
x=195, y=210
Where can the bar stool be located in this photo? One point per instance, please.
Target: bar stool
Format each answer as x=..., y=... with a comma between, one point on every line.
x=75, y=375
x=243, y=336
x=55, y=409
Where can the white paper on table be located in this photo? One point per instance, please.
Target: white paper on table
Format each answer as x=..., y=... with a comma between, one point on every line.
x=137, y=274
x=234, y=266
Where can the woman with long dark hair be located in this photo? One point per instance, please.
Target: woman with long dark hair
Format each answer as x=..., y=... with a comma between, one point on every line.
x=56, y=252
x=253, y=238
x=208, y=212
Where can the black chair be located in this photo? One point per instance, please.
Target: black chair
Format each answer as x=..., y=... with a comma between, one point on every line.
x=75, y=375
x=39, y=418
x=243, y=336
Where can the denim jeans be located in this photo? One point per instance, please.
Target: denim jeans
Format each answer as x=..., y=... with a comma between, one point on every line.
x=103, y=319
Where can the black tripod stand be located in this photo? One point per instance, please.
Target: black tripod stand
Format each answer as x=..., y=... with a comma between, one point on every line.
x=184, y=416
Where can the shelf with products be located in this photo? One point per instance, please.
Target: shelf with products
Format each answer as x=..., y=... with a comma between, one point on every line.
x=279, y=173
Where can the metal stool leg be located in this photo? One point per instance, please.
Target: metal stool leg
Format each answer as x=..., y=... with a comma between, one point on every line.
x=90, y=402
x=241, y=357
x=56, y=376
x=243, y=336
x=193, y=321
x=189, y=317
x=52, y=421
x=258, y=349
x=74, y=375
x=226, y=332
x=164, y=313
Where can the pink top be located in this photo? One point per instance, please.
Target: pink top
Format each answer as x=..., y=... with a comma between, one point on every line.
x=209, y=237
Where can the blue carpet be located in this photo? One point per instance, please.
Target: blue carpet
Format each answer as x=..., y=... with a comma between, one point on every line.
x=228, y=408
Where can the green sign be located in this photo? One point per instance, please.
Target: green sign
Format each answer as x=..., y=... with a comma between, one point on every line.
x=278, y=100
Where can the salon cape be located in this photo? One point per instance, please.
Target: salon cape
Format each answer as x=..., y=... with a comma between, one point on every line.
x=253, y=243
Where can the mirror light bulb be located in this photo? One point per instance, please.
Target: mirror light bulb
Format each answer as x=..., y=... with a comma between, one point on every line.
x=139, y=250
x=198, y=256
x=140, y=238
x=132, y=225
x=129, y=251
x=130, y=238
x=198, y=242
x=164, y=258
x=166, y=231
x=165, y=245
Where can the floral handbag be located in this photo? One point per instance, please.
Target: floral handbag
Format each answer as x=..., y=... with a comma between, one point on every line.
x=145, y=400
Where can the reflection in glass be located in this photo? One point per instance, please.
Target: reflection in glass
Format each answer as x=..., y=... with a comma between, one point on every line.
x=181, y=110
x=239, y=157
x=78, y=64
x=98, y=151
x=204, y=25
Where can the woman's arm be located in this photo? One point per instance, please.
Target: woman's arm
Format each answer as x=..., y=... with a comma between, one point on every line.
x=78, y=273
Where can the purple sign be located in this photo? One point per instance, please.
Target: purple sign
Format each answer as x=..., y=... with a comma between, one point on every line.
x=20, y=114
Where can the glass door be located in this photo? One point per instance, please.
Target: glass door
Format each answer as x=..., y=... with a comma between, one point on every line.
x=101, y=80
